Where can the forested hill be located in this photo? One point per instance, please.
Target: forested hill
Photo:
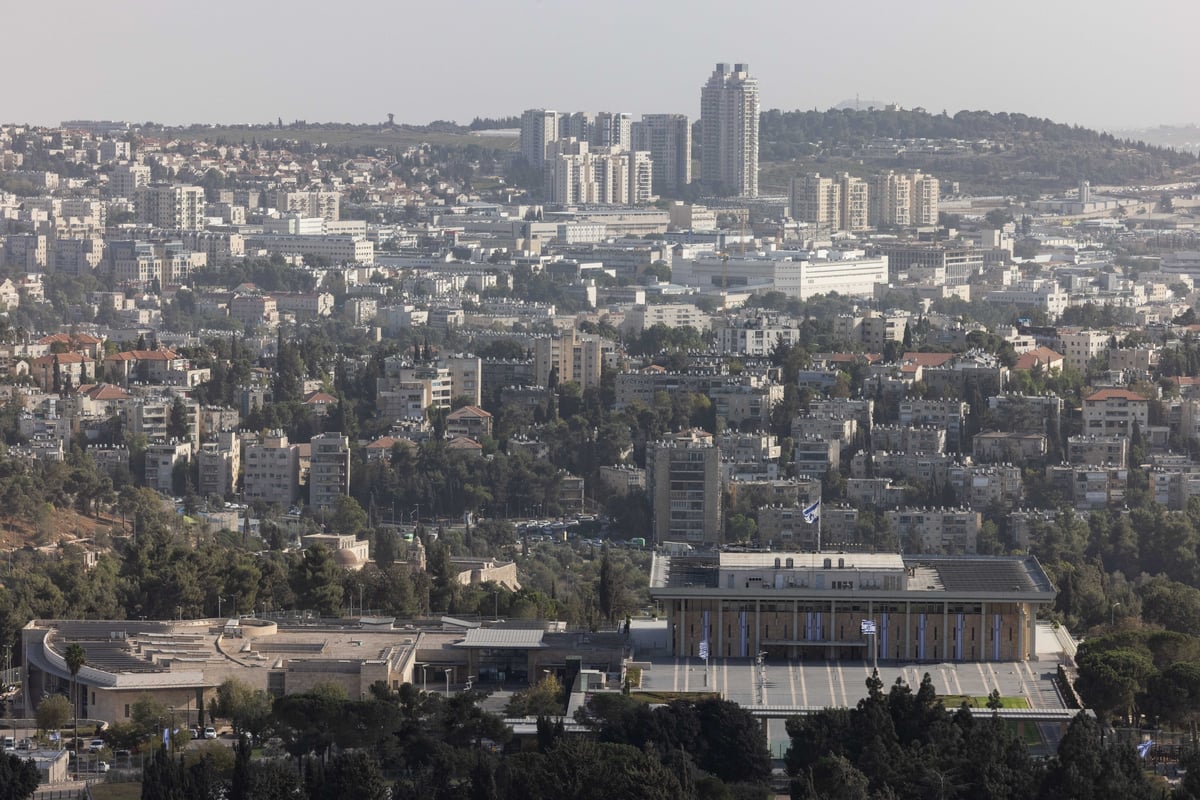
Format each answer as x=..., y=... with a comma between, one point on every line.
x=979, y=147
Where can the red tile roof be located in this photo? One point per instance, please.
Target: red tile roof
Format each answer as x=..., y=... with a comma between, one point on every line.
x=320, y=398
x=1039, y=356
x=928, y=359
x=469, y=411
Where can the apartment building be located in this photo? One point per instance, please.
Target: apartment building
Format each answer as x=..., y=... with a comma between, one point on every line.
x=943, y=531
x=817, y=201
x=539, y=129
x=668, y=140
x=729, y=119
x=572, y=356
x=170, y=206
x=161, y=462
x=325, y=205
x=219, y=463
x=126, y=179
x=1115, y=411
x=1079, y=347
x=903, y=200
x=1008, y=446
x=272, y=471
x=1098, y=448
x=329, y=470
x=577, y=173
x=854, y=203
x=683, y=484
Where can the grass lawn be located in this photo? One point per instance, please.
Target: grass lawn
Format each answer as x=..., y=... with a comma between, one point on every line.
x=117, y=791
x=1031, y=735
x=652, y=697
x=953, y=701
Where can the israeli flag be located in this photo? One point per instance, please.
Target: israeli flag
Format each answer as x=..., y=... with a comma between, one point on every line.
x=166, y=738
x=704, y=649
x=1144, y=748
x=812, y=513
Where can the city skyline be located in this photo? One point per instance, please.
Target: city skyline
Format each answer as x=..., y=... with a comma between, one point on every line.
x=1042, y=60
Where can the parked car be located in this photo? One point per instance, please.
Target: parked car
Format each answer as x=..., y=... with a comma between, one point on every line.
x=95, y=746
x=210, y=732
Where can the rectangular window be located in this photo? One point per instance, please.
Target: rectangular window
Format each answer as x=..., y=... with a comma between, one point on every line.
x=127, y=710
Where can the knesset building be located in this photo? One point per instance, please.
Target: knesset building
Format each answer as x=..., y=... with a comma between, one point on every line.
x=811, y=606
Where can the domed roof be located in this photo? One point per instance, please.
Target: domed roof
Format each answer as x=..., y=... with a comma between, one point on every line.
x=346, y=557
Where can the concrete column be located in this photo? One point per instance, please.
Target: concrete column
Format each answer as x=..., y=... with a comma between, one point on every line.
x=830, y=650
x=1031, y=640
x=683, y=609
x=757, y=626
x=945, y=631
x=984, y=630
x=908, y=620
x=795, y=629
x=720, y=651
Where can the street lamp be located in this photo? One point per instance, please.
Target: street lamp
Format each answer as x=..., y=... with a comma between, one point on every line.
x=448, y=671
x=1112, y=614
x=424, y=685
x=171, y=739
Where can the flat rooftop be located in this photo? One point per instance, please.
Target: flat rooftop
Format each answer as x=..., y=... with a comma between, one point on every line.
x=993, y=575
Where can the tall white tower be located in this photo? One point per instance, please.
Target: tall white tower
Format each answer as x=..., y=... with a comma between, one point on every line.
x=729, y=131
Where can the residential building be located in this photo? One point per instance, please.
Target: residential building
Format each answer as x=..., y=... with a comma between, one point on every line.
x=161, y=462
x=729, y=119
x=904, y=200
x=936, y=530
x=817, y=201
x=573, y=356
x=272, y=471
x=1115, y=411
x=329, y=470
x=471, y=421
x=219, y=463
x=854, y=202
x=1079, y=347
x=1098, y=448
x=539, y=129
x=1008, y=447
x=683, y=484
x=171, y=206
x=126, y=179
x=668, y=140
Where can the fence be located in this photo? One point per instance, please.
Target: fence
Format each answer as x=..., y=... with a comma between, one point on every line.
x=62, y=794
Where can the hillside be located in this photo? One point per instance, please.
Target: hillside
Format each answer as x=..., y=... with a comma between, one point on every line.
x=987, y=153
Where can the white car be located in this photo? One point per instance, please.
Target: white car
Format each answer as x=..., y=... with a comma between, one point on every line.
x=210, y=732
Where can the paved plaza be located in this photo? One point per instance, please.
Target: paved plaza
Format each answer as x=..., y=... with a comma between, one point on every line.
x=823, y=684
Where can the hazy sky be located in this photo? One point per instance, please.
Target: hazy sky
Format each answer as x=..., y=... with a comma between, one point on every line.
x=1092, y=62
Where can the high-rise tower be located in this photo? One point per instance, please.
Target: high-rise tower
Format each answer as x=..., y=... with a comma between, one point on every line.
x=729, y=131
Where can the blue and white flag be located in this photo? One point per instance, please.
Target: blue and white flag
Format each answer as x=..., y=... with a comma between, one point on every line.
x=704, y=649
x=812, y=513
x=1144, y=748
x=868, y=627
x=166, y=738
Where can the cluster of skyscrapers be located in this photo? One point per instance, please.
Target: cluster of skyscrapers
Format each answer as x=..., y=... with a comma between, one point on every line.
x=607, y=158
